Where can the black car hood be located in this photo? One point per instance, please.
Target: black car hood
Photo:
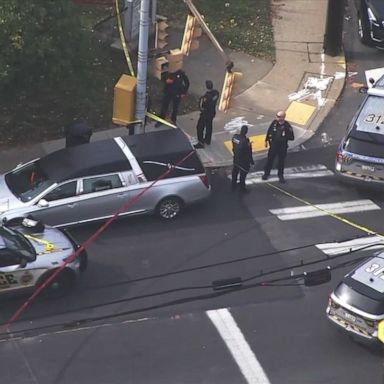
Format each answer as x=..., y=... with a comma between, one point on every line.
x=377, y=7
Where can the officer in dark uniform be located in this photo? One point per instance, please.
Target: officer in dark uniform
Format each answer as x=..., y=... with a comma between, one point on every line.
x=77, y=133
x=242, y=157
x=176, y=85
x=278, y=135
x=207, y=107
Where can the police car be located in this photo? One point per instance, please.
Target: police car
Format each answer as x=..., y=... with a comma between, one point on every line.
x=360, y=155
x=30, y=252
x=357, y=303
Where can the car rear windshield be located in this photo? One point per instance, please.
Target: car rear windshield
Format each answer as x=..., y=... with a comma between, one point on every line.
x=365, y=145
x=27, y=182
x=360, y=296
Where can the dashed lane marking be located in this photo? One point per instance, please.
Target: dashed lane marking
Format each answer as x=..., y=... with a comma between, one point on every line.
x=240, y=350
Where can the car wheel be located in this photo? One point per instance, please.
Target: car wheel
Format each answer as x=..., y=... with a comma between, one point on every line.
x=363, y=31
x=63, y=283
x=169, y=207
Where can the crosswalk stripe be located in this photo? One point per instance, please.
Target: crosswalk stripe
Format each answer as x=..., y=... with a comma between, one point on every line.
x=302, y=172
x=307, y=211
x=238, y=346
x=333, y=249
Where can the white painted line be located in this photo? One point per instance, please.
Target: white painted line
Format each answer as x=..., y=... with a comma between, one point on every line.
x=302, y=172
x=235, y=124
x=240, y=350
x=258, y=179
x=307, y=211
x=333, y=249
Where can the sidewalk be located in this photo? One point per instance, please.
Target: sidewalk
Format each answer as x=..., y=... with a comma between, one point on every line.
x=303, y=81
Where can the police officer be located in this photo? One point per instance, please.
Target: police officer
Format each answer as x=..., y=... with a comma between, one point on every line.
x=278, y=135
x=78, y=132
x=242, y=158
x=207, y=107
x=176, y=85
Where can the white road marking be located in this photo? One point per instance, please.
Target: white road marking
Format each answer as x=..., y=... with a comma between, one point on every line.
x=333, y=249
x=313, y=88
x=234, y=125
x=240, y=350
x=307, y=211
x=305, y=172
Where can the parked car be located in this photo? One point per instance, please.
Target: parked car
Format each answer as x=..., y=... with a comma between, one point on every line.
x=92, y=181
x=370, y=20
x=357, y=303
x=31, y=251
x=360, y=155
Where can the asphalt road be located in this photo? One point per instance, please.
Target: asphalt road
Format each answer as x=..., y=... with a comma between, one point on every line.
x=139, y=314
x=161, y=273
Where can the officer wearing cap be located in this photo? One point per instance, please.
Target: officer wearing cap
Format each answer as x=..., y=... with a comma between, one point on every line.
x=207, y=107
x=242, y=158
x=278, y=135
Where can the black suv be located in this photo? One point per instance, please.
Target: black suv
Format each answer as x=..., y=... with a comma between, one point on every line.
x=370, y=18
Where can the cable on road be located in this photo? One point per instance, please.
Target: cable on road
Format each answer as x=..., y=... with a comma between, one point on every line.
x=265, y=283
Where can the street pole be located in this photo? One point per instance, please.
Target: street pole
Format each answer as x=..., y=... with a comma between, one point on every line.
x=334, y=27
x=142, y=64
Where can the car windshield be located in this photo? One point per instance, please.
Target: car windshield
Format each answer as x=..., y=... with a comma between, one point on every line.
x=27, y=182
x=369, y=148
x=15, y=241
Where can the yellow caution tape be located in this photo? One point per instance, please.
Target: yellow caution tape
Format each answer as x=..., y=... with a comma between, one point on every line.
x=122, y=38
x=380, y=331
x=329, y=213
x=159, y=119
x=49, y=247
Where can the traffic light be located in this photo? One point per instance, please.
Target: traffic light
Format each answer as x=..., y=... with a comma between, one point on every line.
x=160, y=65
x=124, y=100
x=175, y=59
x=192, y=32
x=161, y=34
x=226, y=93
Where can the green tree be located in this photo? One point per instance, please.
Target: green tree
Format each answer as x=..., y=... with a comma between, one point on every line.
x=41, y=41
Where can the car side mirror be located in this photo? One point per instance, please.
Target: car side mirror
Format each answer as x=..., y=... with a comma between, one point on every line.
x=363, y=89
x=43, y=203
x=23, y=262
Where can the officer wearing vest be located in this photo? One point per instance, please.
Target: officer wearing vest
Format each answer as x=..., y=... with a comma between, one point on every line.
x=176, y=85
x=242, y=158
x=207, y=107
x=278, y=135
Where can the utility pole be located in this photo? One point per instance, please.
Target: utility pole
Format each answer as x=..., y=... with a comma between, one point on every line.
x=334, y=27
x=142, y=64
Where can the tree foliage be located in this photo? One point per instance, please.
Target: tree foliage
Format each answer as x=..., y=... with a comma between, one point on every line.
x=41, y=41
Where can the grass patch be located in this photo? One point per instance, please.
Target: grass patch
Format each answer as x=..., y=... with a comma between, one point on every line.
x=242, y=25
x=39, y=114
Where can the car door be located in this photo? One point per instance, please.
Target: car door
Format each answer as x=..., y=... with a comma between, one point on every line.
x=60, y=205
x=101, y=196
x=13, y=276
